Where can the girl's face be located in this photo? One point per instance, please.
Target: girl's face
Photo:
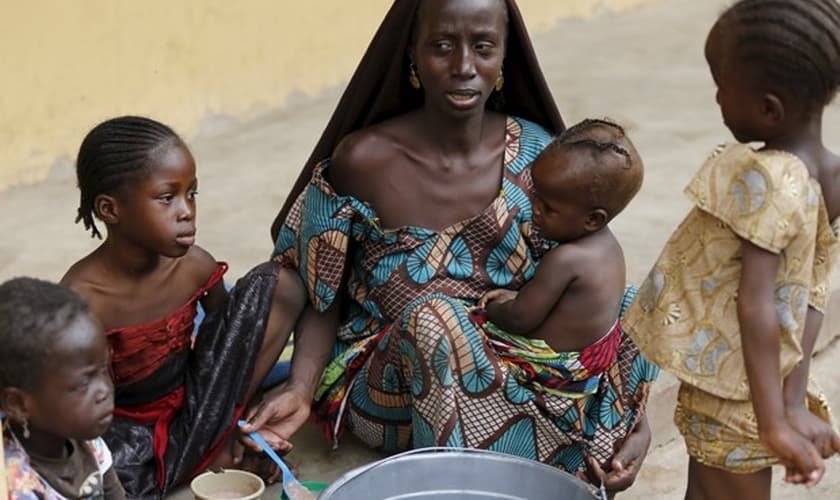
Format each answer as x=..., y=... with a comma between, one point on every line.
x=157, y=212
x=459, y=51
x=738, y=95
x=74, y=397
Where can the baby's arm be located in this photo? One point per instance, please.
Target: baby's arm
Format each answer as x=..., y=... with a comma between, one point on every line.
x=525, y=311
x=760, y=345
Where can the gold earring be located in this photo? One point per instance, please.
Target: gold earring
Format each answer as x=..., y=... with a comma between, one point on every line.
x=412, y=77
x=500, y=81
x=25, y=426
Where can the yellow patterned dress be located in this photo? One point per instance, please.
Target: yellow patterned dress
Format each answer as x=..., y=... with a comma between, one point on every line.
x=685, y=317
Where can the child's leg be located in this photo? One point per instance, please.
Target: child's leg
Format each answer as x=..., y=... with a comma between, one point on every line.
x=286, y=306
x=709, y=483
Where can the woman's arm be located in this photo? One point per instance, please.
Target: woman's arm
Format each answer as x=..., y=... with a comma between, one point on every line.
x=626, y=463
x=761, y=349
x=279, y=417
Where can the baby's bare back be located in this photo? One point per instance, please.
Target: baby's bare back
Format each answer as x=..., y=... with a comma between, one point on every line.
x=590, y=304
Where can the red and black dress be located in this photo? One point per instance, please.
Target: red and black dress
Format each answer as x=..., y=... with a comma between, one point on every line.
x=177, y=401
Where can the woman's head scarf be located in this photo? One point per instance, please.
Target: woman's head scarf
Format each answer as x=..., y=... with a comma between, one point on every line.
x=379, y=89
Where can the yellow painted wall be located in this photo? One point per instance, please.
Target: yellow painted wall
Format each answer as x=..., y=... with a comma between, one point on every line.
x=66, y=65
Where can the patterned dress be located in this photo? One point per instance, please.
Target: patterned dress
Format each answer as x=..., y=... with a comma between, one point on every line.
x=96, y=478
x=411, y=367
x=686, y=318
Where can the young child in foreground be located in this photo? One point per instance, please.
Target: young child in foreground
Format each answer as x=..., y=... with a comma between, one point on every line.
x=57, y=394
x=176, y=403
x=735, y=301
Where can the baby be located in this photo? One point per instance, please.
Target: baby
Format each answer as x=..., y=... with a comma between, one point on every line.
x=583, y=179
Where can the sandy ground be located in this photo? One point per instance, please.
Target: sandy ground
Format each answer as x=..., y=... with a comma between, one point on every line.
x=643, y=68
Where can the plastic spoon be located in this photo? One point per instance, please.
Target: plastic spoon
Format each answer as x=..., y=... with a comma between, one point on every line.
x=293, y=488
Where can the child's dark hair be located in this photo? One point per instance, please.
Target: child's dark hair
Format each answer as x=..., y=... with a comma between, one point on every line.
x=794, y=44
x=32, y=313
x=608, y=186
x=114, y=152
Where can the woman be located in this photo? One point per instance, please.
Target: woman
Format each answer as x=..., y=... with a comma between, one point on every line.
x=422, y=207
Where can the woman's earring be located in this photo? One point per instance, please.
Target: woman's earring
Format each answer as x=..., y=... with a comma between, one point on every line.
x=412, y=77
x=500, y=81
x=25, y=426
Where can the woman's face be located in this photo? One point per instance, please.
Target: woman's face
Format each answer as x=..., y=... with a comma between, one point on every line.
x=458, y=52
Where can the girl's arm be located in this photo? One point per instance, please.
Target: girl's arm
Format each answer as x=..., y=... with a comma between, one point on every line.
x=796, y=383
x=818, y=431
x=760, y=345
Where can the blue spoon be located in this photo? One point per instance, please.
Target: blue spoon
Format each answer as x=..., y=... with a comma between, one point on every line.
x=293, y=488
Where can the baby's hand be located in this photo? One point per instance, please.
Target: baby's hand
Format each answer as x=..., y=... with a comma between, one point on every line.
x=497, y=295
x=801, y=459
x=816, y=430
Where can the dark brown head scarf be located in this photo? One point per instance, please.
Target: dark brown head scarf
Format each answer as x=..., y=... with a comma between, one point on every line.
x=380, y=89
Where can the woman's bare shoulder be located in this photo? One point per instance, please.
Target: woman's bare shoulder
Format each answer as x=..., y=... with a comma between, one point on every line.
x=361, y=155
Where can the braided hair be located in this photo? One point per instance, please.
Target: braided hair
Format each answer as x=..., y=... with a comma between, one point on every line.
x=32, y=314
x=794, y=44
x=115, y=152
x=611, y=176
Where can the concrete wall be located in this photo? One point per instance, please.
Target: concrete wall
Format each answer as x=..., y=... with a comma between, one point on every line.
x=67, y=65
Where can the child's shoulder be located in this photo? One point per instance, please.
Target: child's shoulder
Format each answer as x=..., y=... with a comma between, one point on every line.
x=199, y=263
x=85, y=276
x=111, y=294
x=596, y=248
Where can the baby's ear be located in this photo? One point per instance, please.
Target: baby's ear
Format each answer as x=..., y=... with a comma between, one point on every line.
x=106, y=209
x=596, y=220
x=13, y=403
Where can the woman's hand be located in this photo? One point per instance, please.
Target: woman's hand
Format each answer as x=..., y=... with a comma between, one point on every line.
x=497, y=295
x=626, y=464
x=276, y=419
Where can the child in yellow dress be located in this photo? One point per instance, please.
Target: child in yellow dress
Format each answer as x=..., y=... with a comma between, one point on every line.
x=735, y=301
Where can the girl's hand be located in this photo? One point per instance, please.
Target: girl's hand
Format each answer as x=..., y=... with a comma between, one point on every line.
x=801, y=459
x=816, y=430
x=497, y=295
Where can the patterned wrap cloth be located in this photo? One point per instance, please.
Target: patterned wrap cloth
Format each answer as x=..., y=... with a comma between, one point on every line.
x=24, y=482
x=686, y=317
x=410, y=367
x=568, y=374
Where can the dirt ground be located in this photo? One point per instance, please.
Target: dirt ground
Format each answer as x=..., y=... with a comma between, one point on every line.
x=643, y=68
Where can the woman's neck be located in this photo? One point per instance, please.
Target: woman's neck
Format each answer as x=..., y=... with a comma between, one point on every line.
x=454, y=136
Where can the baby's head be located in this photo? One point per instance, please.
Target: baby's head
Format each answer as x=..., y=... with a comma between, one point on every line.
x=776, y=63
x=583, y=179
x=137, y=176
x=54, y=367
